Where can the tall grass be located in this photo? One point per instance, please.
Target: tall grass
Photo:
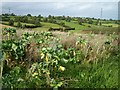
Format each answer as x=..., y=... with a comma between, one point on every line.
x=90, y=61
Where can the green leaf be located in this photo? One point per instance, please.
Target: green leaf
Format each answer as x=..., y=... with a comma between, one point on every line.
x=65, y=61
x=14, y=47
x=59, y=84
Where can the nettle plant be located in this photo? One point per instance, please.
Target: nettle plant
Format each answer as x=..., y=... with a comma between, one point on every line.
x=42, y=39
x=12, y=47
x=49, y=67
x=52, y=60
x=8, y=35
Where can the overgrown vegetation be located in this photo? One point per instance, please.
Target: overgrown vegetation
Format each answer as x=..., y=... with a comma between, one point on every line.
x=41, y=60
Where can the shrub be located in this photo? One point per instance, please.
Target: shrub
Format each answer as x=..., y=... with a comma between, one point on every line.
x=19, y=25
x=37, y=23
x=11, y=22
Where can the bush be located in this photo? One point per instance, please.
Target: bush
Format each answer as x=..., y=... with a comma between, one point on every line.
x=11, y=22
x=37, y=23
x=80, y=23
x=19, y=25
x=89, y=26
x=90, y=21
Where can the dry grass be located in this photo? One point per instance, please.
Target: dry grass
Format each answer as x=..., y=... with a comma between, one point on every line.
x=68, y=42
x=92, y=49
x=5, y=26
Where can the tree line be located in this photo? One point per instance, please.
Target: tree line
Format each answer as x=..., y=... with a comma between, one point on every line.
x=36, y=20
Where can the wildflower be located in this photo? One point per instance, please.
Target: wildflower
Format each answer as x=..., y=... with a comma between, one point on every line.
x=61, y=68
x=42, y=55
x=34, y=74
x=77, y=43
x=46, y=58
x=20, y=79
x=74, y=53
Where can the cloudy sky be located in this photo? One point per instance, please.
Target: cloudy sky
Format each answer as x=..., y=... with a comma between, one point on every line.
x=86, y=8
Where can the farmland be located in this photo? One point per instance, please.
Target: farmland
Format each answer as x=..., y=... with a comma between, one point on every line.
x=59, y=52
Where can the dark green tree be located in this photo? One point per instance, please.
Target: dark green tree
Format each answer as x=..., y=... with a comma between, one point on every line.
x=100, y=23
x=63, y=17
x=49, y=16
x=25, y=19
x=68, y=19
x=17, y=18
x=80, y=21
x=12, y=14
x=97, y=22
x=116, y=22
x=29, y=15
x=11, y=22
x=39, y=16
x=19, y=25
x=51, y=20
x=32, y=20
x=5, y=14
x=37, y=23
x=110, y=19
x=90, y=21
x=45, y=19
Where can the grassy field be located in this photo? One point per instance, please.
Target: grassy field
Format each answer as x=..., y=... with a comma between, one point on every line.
x=91, y=27
x=15, y=23
x=78, y=28
x=46, y=26
x=113, y=25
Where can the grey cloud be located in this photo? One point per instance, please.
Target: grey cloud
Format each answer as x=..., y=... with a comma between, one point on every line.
x=89, y=9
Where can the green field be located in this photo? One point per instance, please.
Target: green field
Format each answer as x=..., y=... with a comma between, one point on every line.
x=107, y=26
x=46, y=26
x=113, y=25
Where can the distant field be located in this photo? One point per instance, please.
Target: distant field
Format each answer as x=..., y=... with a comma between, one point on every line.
x=85, y=27
x=113, y=25
x=48, y=25
x=91, y=27
x=45, y=25
x=15, y=23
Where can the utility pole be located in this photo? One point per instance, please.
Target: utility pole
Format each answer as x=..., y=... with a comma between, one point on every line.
x=101, y=13
x=9, y=10
x=101, y=16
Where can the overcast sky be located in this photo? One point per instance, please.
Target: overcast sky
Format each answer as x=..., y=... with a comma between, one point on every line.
x=71, y=8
